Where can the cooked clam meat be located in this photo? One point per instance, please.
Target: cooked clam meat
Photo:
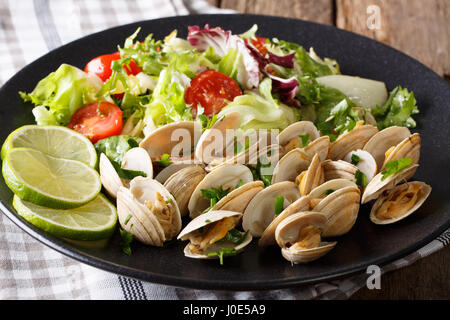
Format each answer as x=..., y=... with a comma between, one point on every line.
x=398, y=202
x=309, y=237
x=165, y=211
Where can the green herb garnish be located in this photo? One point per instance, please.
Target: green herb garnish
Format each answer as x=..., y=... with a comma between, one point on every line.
x=355, y=159
x=329, y=191
x=214, y=195
x=279, y=205
x=234, y=236
x=127, y=219
x=164, y=162
x=240, y=183
x=305, y=139
x=125, y=173
x=394, y=166
x=125, y=241
x=224, y=252
x=361, y=179
x=206, y=122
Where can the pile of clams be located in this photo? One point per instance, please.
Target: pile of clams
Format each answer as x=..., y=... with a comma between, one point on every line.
x=310, y=195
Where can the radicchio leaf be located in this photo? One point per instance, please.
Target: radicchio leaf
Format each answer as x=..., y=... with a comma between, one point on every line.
x=222, y=41
x=286, y=89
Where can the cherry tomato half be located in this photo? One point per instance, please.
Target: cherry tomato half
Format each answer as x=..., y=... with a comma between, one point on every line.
x=210, y=89
x=101, y=66
x=97, y=120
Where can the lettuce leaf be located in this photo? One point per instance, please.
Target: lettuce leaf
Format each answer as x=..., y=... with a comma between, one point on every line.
x=61, y=93
x=398, y=109
x=259, y=110
x=310, y=64
x=115, y=147
x=167, y=102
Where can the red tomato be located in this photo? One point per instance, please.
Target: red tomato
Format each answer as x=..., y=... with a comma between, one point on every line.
x=210, y=89
x=101, y=66
x=97, y=120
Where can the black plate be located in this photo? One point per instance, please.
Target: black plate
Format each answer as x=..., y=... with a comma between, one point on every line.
x=257, y=268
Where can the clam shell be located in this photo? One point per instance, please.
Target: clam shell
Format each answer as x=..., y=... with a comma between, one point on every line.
x=352, y=140
x=224, y=176
x=287, y=232
x=165, y=173
x=321, y=146
x=366, y=164
x=261, y=211
x=377, y=186
x=145, y=189
x=238, y=199
x=312, y=178
x=268, y=236
x=341, y=208
x=109, y=177
x=139, y=160
x=334, y=185
x=164, y=139
x=212, y=143
x=407, y=148
x=135, y=218
x=203, y=220
x=290, y=166
x=379, y=143
x=296, y=129
x=183, y=183
x=338, y=170
x=424, y=192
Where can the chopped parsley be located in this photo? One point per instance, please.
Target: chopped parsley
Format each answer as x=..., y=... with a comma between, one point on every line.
x=125, y=240
x=279, y=205
x=127, y=219
x=164, y=162
x=234, y=236
x=214, y=195
x=394, y=166
x=240, y=183
x=329, y=191
x=206, y=122
x=361, y=179
x=355, y=159
x=224, y=252
x=125, y=173
x=305, y=139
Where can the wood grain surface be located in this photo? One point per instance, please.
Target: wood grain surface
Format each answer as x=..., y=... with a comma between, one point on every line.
x=420, y=28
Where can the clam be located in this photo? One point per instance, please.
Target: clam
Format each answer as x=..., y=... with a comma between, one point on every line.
x=299, y=237
x=377, y=185
x=321, y=146
x=134, y=159
x=268, y=236
x=176, y=139
x=366, y=163
x=407, y=148
x=261, y=210
x=366, y=115
x=148, y=211
x=290, y=166
x=238, y=199
x=399, y=202
x=382, y=141
x=226, y=176
x=326, y=188
x=212, y=145
x=183, y=183
x=311, y=178
x=338, y=170
x=289, y=138
x=205, y=234
x=341, y=209
x=352, y=140
x=171, y=169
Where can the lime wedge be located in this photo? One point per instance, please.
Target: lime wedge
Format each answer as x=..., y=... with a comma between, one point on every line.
x=47, y=181
x=92, y=221
x=56, y=141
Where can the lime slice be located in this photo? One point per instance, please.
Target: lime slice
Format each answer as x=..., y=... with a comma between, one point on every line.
x=56, y=141
x=92, y=221
x=47, y=181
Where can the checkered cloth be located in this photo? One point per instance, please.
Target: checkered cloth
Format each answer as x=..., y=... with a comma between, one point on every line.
x=30, y=270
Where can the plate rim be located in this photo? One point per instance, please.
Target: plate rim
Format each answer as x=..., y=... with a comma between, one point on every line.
x=175, y=280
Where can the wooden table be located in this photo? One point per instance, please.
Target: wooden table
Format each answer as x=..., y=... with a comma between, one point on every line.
x=420, y=28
